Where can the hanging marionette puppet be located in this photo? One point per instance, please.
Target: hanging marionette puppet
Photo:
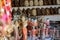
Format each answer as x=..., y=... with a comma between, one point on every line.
x=46, y=30
x=24, y=22
x=16, y=32
x=47, y=27
x=34, y=26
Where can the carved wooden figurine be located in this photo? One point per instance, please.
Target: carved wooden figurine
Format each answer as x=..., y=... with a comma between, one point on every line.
x=35, y=2
x=40, y=2
x=31, y=2
x=26, y=3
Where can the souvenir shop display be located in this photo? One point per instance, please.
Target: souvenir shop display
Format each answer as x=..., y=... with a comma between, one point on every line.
x=29, y=25
x=25, y=19
x=37, y=11
x=19, y=3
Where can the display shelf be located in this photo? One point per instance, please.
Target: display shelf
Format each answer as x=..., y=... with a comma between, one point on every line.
x=51, y=17
x=45, y=6
x=55, y=17
x=47, y=15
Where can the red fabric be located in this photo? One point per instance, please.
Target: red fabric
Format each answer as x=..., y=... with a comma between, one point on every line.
x=24, y=33
x=7, y=9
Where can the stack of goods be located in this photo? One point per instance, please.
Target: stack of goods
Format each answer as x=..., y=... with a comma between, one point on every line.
x=17, y=3
x=37, y=11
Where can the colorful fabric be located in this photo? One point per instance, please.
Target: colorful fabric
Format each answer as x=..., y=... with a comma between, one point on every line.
x=24, y=33
x=6, y=6
x=5, y=14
